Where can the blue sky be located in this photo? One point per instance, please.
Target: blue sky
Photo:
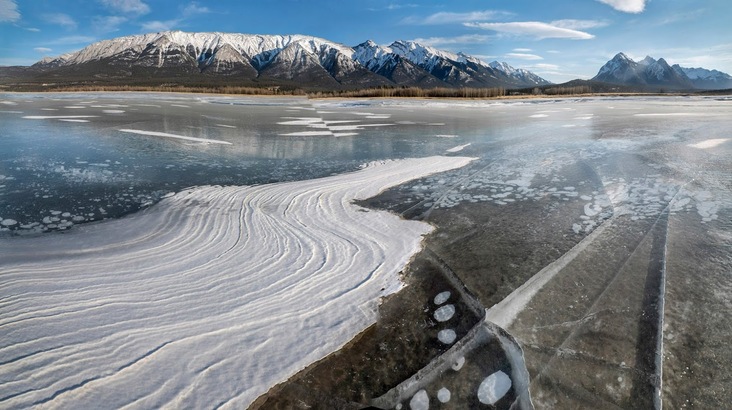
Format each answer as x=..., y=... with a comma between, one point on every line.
x=557, y=39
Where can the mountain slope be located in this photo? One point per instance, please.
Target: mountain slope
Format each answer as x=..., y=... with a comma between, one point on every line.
x=305, y=61
x=706, y=79
x=649, y=72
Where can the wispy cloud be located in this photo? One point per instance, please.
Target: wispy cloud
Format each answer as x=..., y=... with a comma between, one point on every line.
x=33, y=29
x=107, y=24
x=534, y=29
x=452, y=18
x=543, y=66
x=524, y=56
x=522, y=50
x=681, y=17
x=394, y=6
x=193, y=9
x=626, y=6
x=137, y=7
x=43, y=50
x=157, y=25
x=443, y=41
x=9, y=11
x=579, y=24
x=61, y=19
x=72, y=40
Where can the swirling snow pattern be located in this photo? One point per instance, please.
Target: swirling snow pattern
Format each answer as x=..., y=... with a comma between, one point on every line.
x=204, y=300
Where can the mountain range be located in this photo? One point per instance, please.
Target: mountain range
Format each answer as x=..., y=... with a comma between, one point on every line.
x=305, y=61
x=650, y=73
x=312, y=63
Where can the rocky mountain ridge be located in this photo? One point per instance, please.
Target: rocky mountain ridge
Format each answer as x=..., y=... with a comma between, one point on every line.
x=650, y=72
x=310, y=61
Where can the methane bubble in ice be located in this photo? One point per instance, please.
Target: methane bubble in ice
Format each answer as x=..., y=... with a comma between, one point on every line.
x=442, y=297
x=445, y=313
x=443, y=395
x=458, y=364
x=494, y=387
x=447, y=336
x=420, y=401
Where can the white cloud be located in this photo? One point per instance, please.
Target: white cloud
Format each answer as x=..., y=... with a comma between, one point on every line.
x=449, y=18
x=544, y=66
x=107, y=24
x=61, y=19
x=193, y=8
x=394, y=6
x=72, y=40
x=157, y=25
x=9, y=11
x=441, y=41
x=626, y=6
x=535, y=29
x=43, y=50
x=522, y=50
x=579, y=24
x=524, y=56
x=127, y=6
x=33, y=29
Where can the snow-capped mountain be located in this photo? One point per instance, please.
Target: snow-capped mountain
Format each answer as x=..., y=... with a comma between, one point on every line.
x=302, y=60
x=441, y=66
x=650, y=72
x=706, y=79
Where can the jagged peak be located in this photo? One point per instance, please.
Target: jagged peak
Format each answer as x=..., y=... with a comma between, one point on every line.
x=622, y=57
x=648, y=60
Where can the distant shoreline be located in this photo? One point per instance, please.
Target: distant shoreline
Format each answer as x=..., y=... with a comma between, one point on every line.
x=391, y=93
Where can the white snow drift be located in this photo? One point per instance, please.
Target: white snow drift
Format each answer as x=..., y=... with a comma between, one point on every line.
x=204, y=300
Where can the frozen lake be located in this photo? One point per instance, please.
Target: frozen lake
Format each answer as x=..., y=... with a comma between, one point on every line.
x=227, y=254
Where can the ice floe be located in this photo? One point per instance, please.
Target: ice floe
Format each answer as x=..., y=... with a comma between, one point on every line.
x=213, y=296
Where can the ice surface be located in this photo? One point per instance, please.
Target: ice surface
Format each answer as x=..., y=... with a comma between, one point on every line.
x=213, y=296
x=458, y=148
x=51, y=117
x=710, y=143
x=494, y=387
